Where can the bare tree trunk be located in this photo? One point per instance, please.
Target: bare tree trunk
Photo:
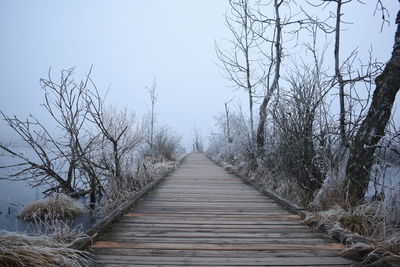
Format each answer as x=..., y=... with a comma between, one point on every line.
x=197, y=140
x=153, y=98
x=338, y=75
x=373, y=126
x=152, y=128
x=248, y=74
x=263, y=108
x=93, y=191
x=251, y=115
x=228, y=124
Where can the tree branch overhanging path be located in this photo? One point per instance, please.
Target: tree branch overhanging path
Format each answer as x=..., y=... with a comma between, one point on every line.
x=201, y=215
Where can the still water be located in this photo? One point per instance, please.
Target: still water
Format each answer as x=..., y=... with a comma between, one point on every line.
x=15, y=194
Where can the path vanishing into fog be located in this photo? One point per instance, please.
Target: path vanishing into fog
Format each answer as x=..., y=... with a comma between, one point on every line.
x=203, y=216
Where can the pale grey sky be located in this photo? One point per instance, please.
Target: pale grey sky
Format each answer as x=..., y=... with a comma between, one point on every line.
x=130, y=42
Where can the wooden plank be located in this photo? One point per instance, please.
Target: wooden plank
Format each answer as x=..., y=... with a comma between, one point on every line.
x=187, y=265
x=216, y=213
x=327, y=261
x=216, y=253
x=196, y=215
x=212, y=240
x=199, y=235
x=162, y=229
x=202, y=246
x=206, y=209
x=267, y=225
x=201, y=229
x=211, y=220
x=209, y=202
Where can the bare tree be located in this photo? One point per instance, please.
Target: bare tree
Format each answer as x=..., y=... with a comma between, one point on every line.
x=240, y=64
x=271, y=33
x=166, y=144
x=338, y=74
x=338, y=77
x=60, y=155
x=372, y=127
x=43, y=171
x=153, y=99
x=197, y=140
x=116, y=128
x=224, y=122
x=277, y=43
x=296, y=121
x=344, y=74
x=228, y=123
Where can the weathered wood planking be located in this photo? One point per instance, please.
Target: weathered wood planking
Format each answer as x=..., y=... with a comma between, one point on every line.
x=203, y=216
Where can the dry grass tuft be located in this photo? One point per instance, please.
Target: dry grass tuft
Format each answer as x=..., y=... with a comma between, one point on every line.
x=23, y=250
x=56, y=229
x=60, y=206
x=281, y=184
x=330, y=216
x=365, y=220
x=384, y=253
x=376, y=221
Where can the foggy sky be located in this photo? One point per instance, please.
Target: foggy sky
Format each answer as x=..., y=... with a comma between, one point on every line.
x=131, y=42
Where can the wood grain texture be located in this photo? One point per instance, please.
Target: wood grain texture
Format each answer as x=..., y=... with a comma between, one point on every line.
x=203, y=216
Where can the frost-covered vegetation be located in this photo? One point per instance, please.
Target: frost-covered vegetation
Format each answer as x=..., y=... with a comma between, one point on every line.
x=23, y=250
x=342, y=163
x=59, y=205
x=95, y=149
x=121, y=190
x=97, y=153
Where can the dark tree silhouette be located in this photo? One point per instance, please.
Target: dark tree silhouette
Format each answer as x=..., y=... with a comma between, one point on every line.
x=373, y=126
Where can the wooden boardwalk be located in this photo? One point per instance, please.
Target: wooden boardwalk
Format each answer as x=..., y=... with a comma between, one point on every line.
x=203, y=216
